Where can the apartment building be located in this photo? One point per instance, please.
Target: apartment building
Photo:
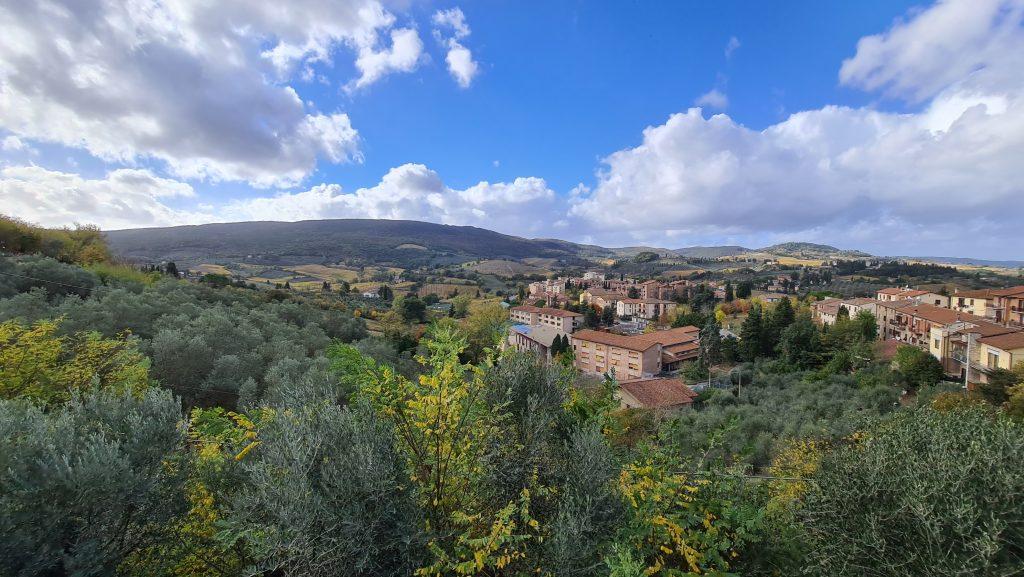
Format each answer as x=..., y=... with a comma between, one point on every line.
x=1001, y=351
x=593, y=276
x=911, y=323
x=559, y=319
x=648, y=289
x=980, y=303
x=660, y=394
x=827, y=311
x=1008, y=305
x=533, y=338
x=543, y=287
x=894, y=294
x=644, y=308
x=634, y=356
x=599, y=297
x=958, y=341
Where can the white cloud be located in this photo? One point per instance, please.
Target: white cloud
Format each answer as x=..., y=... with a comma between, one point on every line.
x=123, y=198
x=731, y=46
x=836, y=172
x=403, y=56
x=201, y=86
x=971, y=43
x=414, y=192
x=12, y=144
x=713, y=98
x=459, y=58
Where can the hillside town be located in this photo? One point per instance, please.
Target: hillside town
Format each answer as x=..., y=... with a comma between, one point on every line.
x=626, y=328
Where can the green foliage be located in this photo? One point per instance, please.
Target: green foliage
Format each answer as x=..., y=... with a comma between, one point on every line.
x=39, y=364
x=710, y=352
x=927, y=493
x=88, y=483
x=82, y=245
x=919, y=368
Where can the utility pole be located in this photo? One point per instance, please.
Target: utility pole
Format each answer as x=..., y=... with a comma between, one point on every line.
x=967, y=362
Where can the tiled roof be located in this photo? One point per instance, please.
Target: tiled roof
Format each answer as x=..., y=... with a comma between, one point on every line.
x=659, y=393
x=546, y=311
x=1009, y=292
x=640, y=342
x=933, y=313
x=645, y=301
x=973, y=294
x=1007, y=342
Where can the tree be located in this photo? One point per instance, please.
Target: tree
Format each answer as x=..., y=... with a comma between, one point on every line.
x=411, y=308
x=918, y=367
x=39, y=364
x=633, y=293
x=800, y=344
x=710, y=352
x=460, y=305
x=171, y=269
x=287, y=285
x=608, y=315
x=591, y=318
x=751, y=335
x=957, y=471
x=744, y=289
x=385, y=293
x=86, y=484
x=729, y=294
x=780, y=317
x=997, y=384
x=484, y=329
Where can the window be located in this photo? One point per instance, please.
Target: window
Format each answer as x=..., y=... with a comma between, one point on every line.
x=937, y=343
x=993, y=359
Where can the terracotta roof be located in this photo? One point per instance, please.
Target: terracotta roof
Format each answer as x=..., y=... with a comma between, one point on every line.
x=934, y=314
x=640, y=342
x=860, y=301
x=973, y=294
x=890, y=291
x=659, y=393
x=1009, y=292
x=1007, y=342
x=645, y=301
x=546, y=311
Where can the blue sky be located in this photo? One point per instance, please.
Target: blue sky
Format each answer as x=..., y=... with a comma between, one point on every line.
x=893, y=127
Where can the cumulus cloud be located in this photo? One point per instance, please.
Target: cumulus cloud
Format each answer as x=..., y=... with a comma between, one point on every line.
x=12, y=144
x=415, y=192
x=198, y=85
x=123, y=198
x=713, y=98
x=954, y=166
x=451, y=29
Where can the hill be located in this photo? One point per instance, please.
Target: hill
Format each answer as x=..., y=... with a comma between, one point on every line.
x=811, y=250
x=355, y=241
x=711, y=251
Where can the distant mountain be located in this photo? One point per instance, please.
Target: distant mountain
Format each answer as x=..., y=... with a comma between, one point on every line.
x=328, y=241
x=965, y=261
x=711, y=251
x=811, y=250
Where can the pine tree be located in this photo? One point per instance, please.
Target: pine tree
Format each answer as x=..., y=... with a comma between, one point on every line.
x=729, y=295
x=780, y=317
x=710, y=352
x=751, y=335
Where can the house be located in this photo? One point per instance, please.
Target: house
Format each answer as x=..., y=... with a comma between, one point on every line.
x=827, y=311
x=634, y=356
x=772, y=298
x=371, y=295
x=976, y=302
x=593, y=276
x=562, y=320
x=1001, y=351
x=657, y=393
x=643, y=308
x=1008, y=305
x=894, y=294
x=986, y=344
x=534, y=338
x=599, y=297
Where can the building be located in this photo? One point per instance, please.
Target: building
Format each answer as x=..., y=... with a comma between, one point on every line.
x=772, y=298
x=648, y=289
x=1001, y=351
x=534, y=338
x=593, y=276
x=658, y=394
x=1008, y=305
x=980, y=303
x=562, y=320
x=894, y=294
x=643, y=308
x=547, y=287
x=599, y=297
x=988, y=346
x=634, y=356
x=911, y=323
x=827, y=311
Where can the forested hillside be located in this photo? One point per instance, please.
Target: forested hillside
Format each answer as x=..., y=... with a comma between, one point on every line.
x=155, y=426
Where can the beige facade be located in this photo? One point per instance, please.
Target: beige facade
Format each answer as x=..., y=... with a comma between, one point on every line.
x=559, y=319
x=644, y=308
x=896, y=294
x=1008, y=305
x=634, y=356
x=976, y=302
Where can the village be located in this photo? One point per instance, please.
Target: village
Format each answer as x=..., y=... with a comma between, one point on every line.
x=631, y=329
